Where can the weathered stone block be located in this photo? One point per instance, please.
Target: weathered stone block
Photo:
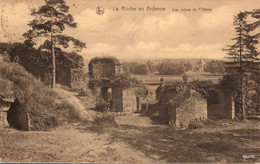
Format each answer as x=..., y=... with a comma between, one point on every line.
x=104, y=67
x=193, y=108
x=3, y=120
x=129, y=100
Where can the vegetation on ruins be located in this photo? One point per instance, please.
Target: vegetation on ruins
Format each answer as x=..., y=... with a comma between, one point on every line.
x=107, y=59
x=201, y=86
x=48, y=26
x=174, y=94
x=120, y=80
x=101, y=105
x=242, y=57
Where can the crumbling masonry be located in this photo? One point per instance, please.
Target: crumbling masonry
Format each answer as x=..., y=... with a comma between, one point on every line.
x=104, y=69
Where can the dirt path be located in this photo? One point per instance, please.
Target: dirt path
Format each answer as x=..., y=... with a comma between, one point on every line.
x=223, y=141
x=136, y=139
x=70, y=143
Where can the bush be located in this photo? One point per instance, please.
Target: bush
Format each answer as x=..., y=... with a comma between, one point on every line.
x=84, y=91
x=102, y=105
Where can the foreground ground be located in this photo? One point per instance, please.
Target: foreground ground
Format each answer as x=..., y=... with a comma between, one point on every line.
x=135, y=139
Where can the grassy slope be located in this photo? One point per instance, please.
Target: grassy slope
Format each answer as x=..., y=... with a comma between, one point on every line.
x=47, y=108
x=81, y=104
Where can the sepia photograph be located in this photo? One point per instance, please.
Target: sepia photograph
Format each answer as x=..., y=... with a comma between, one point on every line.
x=129, y=81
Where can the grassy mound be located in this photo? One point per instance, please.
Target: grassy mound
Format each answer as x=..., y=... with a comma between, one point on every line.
x=45, y=106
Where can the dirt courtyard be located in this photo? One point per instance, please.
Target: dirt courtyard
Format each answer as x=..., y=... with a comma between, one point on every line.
x=135, y=139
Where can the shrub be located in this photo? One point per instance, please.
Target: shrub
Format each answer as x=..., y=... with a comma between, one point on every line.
x=84, y=91
x=102, y=105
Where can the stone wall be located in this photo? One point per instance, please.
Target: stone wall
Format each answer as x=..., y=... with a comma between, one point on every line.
x=76, y=78
x=179, y=113
x=4, y=108
x=194, y=108
x=13, y=114
x=117, y=99
x=101, y=69
x=63, y=77
x=164, y=93
x=129, y=100
x=220, y=105
x=68, y=77
x=3, y=120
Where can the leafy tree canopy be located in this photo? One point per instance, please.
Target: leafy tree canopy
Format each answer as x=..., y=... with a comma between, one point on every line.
x=50, y=22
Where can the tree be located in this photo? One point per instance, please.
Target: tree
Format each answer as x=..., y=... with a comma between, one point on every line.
x=241, y=55
x=215, y=67
x=255, y=14
x=49, y=23
x=169, y=68
x=150, y=66
x=136, y=68
x=142, y=69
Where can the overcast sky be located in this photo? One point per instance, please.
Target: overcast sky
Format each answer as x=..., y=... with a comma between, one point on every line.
x=139, y=34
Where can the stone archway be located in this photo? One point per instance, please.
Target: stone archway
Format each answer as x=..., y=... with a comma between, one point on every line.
x=113, y=96
x=17, y=117
x=12, y=114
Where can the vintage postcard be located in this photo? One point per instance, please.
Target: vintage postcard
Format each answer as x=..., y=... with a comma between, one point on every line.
x=130, y=81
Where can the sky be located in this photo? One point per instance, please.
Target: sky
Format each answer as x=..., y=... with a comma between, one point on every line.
x=176, y=32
